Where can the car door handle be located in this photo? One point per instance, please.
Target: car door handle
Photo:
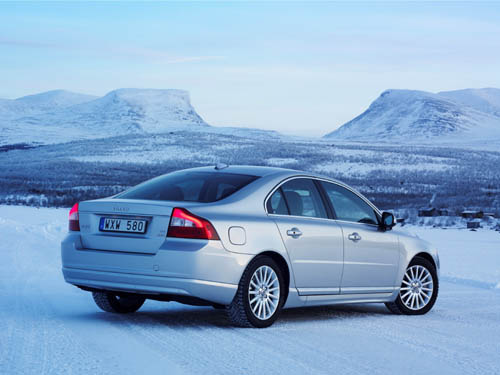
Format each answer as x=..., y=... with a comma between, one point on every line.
x=355, y=237
x=294, y=232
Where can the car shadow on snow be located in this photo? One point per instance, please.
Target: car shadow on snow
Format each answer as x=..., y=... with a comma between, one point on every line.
x=177, y=315
x=336, y=312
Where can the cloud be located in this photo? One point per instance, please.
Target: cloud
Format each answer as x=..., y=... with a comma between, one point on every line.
x=25, y=43
x=103, y=50
x=158, y=55
x=194, y=59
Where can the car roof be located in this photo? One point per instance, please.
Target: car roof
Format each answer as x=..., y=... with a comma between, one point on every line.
x=245, y=169
x=260, y=171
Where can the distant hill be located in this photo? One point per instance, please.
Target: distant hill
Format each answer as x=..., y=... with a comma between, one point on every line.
x=469, y=117
x=136, y=110
x=59, y=116
x=40, y=103
x=484, y=100
x=463, y=116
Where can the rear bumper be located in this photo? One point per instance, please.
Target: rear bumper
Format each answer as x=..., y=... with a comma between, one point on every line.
x=208, y=290
x=203, y=270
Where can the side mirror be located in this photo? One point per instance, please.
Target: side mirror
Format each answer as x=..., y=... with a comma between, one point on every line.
x=388, y=221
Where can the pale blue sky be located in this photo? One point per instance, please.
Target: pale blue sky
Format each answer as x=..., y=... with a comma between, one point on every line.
x=301, y=68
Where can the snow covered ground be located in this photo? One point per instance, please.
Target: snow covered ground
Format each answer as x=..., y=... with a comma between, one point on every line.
x=49, y=327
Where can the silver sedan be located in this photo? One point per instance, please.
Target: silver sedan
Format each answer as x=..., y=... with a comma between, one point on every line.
x=251, y=240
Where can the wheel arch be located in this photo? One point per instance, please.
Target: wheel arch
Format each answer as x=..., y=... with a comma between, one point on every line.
x=282, y=263
x=426, y=256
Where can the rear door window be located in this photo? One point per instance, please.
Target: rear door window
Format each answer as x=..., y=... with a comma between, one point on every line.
x=185, y=186
x=276, y=204
x=301, y=198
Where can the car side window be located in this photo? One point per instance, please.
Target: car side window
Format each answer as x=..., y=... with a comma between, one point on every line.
x=348, y=206
x=276, y=204
x=303, y=199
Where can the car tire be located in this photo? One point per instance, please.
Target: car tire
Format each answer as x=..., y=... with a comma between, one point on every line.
x=415, y=290
x=242, y=312
x=113, y=303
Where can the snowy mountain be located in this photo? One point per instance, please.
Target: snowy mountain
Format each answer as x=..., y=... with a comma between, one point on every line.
x=39, y=103
x=464, y=116
x=484, y=100
x=47, y=118
x=136, y=110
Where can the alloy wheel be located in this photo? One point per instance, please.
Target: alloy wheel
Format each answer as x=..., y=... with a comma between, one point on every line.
x=418, y=286
x=264, y=292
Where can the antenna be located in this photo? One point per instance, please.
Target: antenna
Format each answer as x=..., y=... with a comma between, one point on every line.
x=220, y=166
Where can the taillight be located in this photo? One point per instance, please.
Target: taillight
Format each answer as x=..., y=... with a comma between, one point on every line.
x=74, y=220
x=183, y=224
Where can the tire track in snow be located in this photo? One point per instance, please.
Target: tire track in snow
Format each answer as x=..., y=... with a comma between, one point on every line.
x=207, y=332
x=41, y=333
x=34, y=339
x=444, y=347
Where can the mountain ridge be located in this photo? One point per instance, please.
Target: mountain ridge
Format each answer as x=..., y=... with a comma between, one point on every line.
x=402, y=116
x=124, y=111
x=485, y=99
x=76, y=116
x=39, y=103
x=409, y=116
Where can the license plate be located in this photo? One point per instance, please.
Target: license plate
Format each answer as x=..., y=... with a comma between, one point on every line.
x=108, y=224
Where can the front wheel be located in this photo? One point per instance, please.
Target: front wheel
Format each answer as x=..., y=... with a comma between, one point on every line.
x=419, y=289
x=114, y=303
x=260, y=295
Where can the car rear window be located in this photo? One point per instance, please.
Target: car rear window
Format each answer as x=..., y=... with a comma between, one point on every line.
x=189, y=187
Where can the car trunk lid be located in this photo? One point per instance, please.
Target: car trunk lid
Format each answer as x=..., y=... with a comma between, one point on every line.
x=154, y=214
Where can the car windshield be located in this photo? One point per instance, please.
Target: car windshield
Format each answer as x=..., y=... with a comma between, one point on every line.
x=187, y=186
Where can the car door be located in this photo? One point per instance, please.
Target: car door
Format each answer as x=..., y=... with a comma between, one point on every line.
x=371, y=256
x=313, y=241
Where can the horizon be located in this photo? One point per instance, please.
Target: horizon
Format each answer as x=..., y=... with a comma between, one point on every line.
x=297, y=68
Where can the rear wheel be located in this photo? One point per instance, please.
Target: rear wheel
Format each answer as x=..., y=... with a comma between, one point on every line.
x=260, y=295
x=419, y=289
x=114, y=303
